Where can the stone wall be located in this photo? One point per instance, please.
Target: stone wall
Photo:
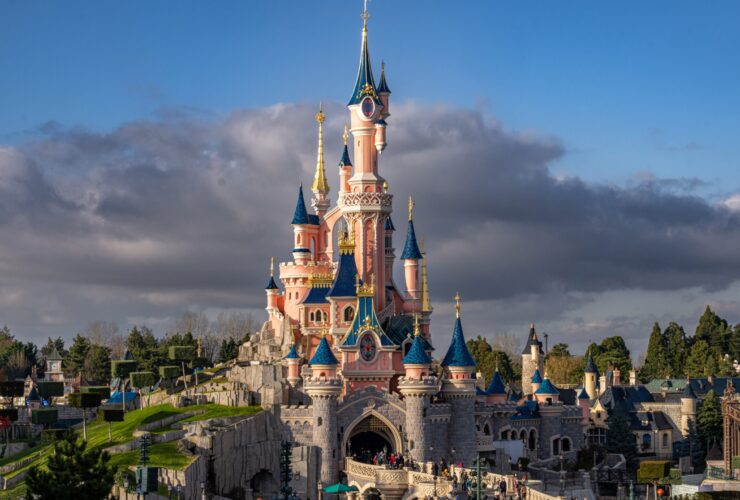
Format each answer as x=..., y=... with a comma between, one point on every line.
x=263, y=381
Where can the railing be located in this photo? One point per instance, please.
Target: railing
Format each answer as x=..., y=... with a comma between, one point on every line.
x=379, y=476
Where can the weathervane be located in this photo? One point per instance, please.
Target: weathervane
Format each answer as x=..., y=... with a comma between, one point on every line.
x=345, y=135
x=457, y=300
x=411, y=208
x=365, y=14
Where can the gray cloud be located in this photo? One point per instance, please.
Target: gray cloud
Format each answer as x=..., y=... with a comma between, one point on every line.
x=184, y=211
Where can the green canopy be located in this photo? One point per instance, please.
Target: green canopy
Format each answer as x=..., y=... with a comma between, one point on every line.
x=340, y=488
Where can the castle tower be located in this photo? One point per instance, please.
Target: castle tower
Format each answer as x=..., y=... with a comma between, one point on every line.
x=305, y=231
x=583, y=402
x=536, y=381
x=272, y=291
x=417, y=387
x=496, y=392
x=294, y=367
x=458, y=389
x=54, y=372
x=532, y=360
x=324, y=389
x=390, y=252
x=688, y=407
x=345, y=166
x=411, y=257
x=589, y=377
x=547, y=393
x=320, y=186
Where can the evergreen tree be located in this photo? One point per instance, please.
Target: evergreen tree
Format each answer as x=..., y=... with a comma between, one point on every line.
x=51, y=345
x=97, y=364
x=692, y=447
x=146, y=349
x=677, y=349
x=74, y=363
x=619, y=437
x=701, y=362
x=72, y=472
x=559, y=349
x=611, y=353
x=714, y=330
x=488, y=359
x=735, y=343
x=656, y=359
x=709, y=420
x=229, y=350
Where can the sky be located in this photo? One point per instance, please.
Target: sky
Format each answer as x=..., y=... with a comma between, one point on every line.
x=574, y=164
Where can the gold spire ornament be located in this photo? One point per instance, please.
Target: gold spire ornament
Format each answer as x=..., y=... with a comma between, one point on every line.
x=426, y=302
x=320, y=185
x=457, y=300
x=416, y=325
x=272, y=267
x=411, y=208
x=345, y=135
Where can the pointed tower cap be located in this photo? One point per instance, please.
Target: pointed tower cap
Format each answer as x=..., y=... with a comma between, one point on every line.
x=323, y=355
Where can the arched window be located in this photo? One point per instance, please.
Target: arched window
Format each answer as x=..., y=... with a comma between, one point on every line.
x=486, y=430
x=326, y=317
x=647, y=441
x=532, y=439
x=556, y=446
x=523, y=435
x=504, y=435
x=349, y=314
x=311, y=316
x=319, y=421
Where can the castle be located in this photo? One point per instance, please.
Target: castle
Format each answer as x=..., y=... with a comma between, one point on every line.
x=355, y=346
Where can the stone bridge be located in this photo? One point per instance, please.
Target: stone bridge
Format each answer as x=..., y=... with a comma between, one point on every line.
x=394, y=484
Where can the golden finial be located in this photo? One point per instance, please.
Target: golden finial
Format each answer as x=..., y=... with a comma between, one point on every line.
x=365, y=17
x=416, y=324
x=426, y=302
x=324, y=329
x=411, y=208
x=385, y=186
x=272, y=267
x=457, y=300
x=345, y=135
x=320, y=185
x=368, y=289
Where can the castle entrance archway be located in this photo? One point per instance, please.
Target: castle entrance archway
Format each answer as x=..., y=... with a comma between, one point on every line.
x=369, y=435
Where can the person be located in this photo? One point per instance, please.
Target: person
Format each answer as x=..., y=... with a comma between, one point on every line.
x=502, y=487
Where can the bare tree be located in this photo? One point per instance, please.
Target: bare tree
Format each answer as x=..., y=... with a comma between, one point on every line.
x=106, y=334
x=192, y=322
x=507, y=343
x=235, y=325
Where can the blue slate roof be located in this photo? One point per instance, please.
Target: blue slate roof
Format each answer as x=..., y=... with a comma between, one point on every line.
x=700, y=386
x=345, y=161
x=530, y=409
x=300, y=216
x=33, y=395
x=583, y=394
x=365, y=319
x=480, y=392
x=688, y=392
x=399, y=328
x=271, y=285
x=323, y=355
x=497, y=385
x=532, y=340
x=458, y=354
x=411, y=248
x=344, y=279
x=417, y=354
x=316, y=295
x=292, y=354
x=536, y=377
x=625, y=397
x=383, y=85
x=389, y=224
x=590, y=366
x=547, y=388
x=364, y=76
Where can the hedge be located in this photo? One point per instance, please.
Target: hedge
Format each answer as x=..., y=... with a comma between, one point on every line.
x=11, y=413
x=182, y=352
x=169, y=372
x=735, y=462
x=44, y=416
x=142, y=379
x=122, y=367
x=113, y=415
x=84, y=399
x=653, y=470
x=50, y=389
x=103, y=390
x=12, y=388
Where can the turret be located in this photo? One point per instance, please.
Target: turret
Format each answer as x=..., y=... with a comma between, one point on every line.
x=532, y=360
x=688, y=407
x=390, y=252
x=589, y=377
x=536, y=381
x=496, y=392
x=272, y=290
x=547, y=393
x=345, y=165
x=584, y=403
x=458, y=390
x=417, y=387
x=380, y=143
x=302, y=230
x=294, y=366
x=384, y=92
x=324, y=389
x=320, y=186
x=411, y=256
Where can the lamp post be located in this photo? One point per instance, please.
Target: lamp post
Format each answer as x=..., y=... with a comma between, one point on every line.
x=203, y=490
x=169, y=490
x=562, y=475
x=478, y=479
x=179, y=491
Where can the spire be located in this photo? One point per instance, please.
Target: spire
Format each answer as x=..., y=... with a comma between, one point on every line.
x=383, y=86
x=300, y=216
x=426, y=302
x=458, y=353
x=411, y=248
x=323, y=355
x=496, y=386
x=271, y=285
x=319, y=181
x=345, y=161
x=365, y=84
x=536, y=377
x=590, y=365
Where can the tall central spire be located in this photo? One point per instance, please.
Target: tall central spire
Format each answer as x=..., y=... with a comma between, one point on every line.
x=365, y=84
x=319, y=181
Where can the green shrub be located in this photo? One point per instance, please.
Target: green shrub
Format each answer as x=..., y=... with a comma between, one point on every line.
x=44, y=416
x=84, y=399
x=181, y=352
x=199, y=362
x=50, y=389
x=113, y=414
x=11, y=413
x=12, y=388
x=735, y=462
x=169, y=372
x=103, y=390
x=52, y=435
x=653, y=470
x=142, y=379
x=123, y=367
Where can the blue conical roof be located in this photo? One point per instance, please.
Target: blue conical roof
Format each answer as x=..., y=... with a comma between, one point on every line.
x=344, y=284
x=583, y=394
x=271, y=285
x=417, y=355
x=345, y=161
x=590, y=366
x=547, y=388
x=497, y=385
x=292, y=354
x=458, y=354
x=536, y=377
x=33, y=395
x=300, y=216
x=389, y=224
x=365, y=84
x=383, y=85
x=411, y=248
x=323, y=355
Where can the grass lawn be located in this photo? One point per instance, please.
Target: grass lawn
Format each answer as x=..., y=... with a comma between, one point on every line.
x=160, y=455
x=20, y=456
x=19, y=491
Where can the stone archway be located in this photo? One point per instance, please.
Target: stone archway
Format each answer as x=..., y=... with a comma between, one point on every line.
x=369, y=434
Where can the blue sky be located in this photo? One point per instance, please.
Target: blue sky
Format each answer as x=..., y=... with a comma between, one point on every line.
x=628, y=86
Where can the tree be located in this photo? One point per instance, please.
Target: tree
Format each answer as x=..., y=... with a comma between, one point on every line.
x=677, y=348
x=565, y=369
x=614, y=353
x=691, y=447
x=52, y=345
x=709, y=420
x=229, y=350
x=656, y=360
x=619, y=437
x=701, y=362
x=144, y=347
x=488, y=360
x=74, y=363
x=559, y=349
x=97, y=364
x=72, y=471
x=714, y=330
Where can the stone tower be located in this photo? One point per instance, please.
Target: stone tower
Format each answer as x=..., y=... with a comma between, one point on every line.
x=589, y=378
x=324, y=388
x=532, y=360
x=458, y=390
x=688, y=408
x=417, y=387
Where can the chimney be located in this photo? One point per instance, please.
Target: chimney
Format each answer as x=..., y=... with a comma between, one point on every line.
x=633, y=378
x=616, y=381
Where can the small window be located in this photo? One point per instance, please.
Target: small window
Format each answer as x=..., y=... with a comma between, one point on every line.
x=311, y=317
x=326, y=318
x=349, y=314
x=665, y=439
x=319, y=421
x=565, y=444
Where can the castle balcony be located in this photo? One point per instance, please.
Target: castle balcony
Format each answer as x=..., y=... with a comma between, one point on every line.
x=395, y=483
x=321, y=386
x=365, y=202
